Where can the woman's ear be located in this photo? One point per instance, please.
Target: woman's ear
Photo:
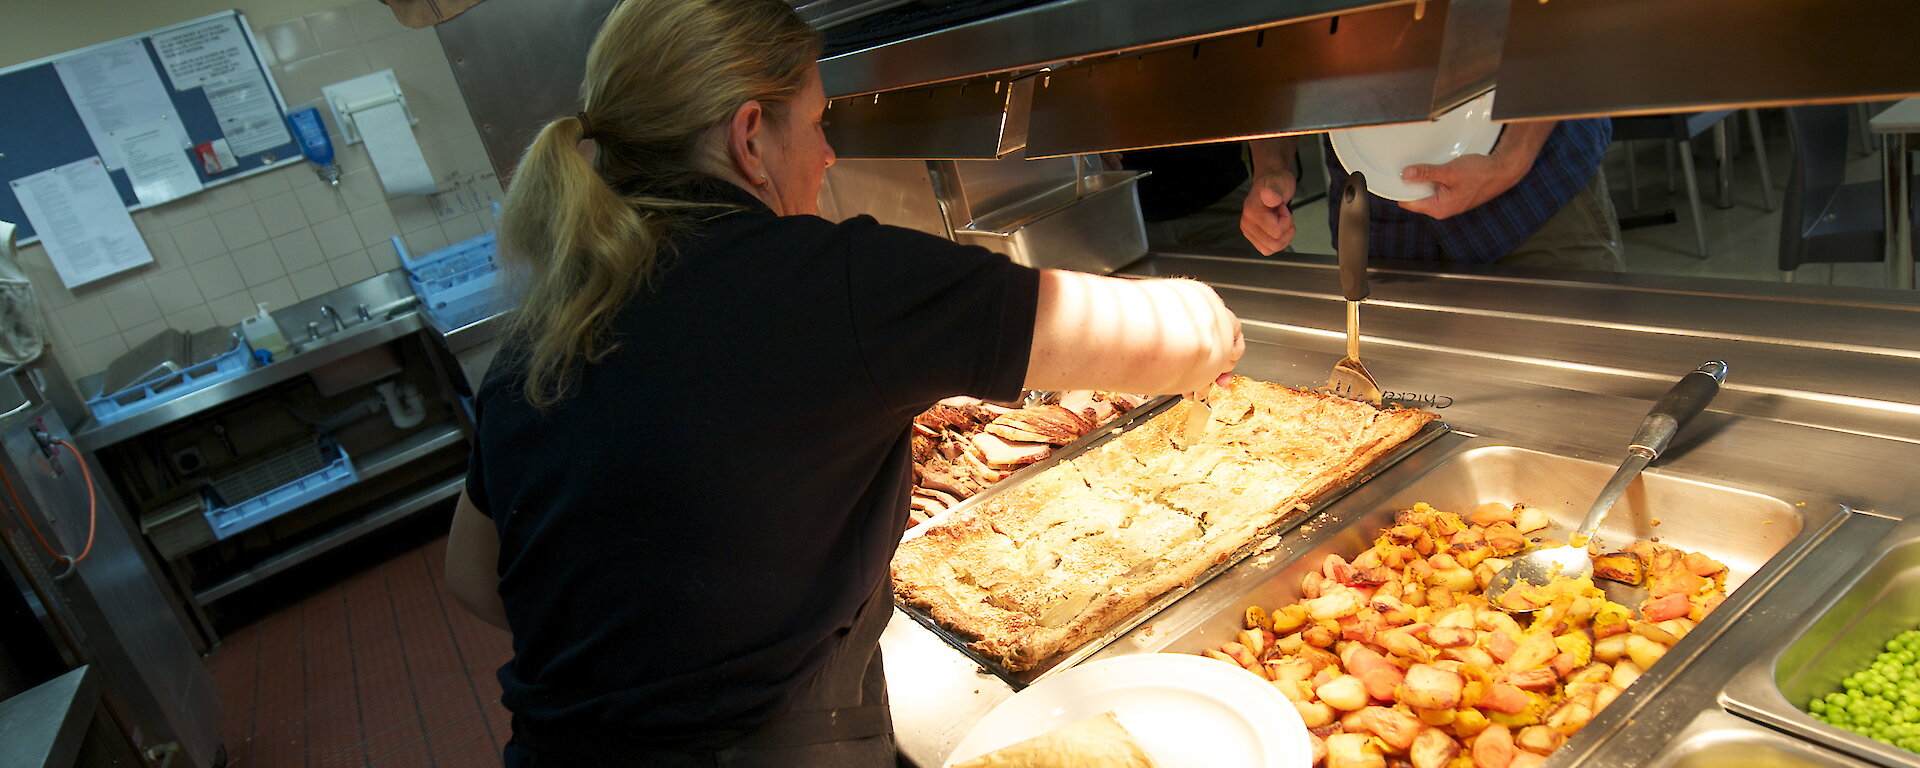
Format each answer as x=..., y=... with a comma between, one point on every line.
x=746, y=140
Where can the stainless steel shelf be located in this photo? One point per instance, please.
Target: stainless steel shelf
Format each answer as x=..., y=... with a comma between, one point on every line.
x=1057, y=32
x=93, y=436
x=378, y=519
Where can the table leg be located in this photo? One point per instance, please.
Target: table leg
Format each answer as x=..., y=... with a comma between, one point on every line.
x=1893, y=150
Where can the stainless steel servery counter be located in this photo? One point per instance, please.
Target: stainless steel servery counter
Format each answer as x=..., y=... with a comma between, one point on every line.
x=1821, y=414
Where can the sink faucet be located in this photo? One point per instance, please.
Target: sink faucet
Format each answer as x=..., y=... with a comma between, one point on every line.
x=327, y=311
x=313, y=331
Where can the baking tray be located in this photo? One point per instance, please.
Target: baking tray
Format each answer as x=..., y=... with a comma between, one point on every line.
x=1118, y=423
x=1019, y=680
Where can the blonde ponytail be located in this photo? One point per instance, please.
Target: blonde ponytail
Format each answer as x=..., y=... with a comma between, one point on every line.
x=589, y=236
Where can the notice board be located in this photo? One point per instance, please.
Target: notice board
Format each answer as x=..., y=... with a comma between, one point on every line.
x=216, y=107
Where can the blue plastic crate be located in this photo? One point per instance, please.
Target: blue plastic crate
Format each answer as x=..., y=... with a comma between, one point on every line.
x=475, y=299
x=335, y=474
x=140, y=397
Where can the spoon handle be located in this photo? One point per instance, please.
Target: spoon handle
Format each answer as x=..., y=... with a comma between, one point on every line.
x=1686, y=400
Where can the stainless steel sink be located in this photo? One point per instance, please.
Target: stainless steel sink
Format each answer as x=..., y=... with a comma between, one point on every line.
x=1842, y=633
x=337, y=314
x=1719, y=740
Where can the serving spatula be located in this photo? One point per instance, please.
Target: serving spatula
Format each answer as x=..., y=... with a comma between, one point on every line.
x=1350, y=378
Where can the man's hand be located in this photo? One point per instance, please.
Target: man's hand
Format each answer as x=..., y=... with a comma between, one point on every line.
x=1459, y=185
x=1469, y=181
x=1264, y=217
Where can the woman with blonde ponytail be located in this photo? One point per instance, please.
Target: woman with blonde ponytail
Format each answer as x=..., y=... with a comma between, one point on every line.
x=691, y=466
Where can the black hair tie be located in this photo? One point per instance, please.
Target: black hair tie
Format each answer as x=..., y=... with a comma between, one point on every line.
x=586, y=126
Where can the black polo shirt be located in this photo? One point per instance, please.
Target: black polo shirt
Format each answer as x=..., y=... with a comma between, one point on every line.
x=684, y=539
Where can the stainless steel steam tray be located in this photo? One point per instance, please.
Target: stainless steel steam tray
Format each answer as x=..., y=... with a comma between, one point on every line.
x=1119, y=423
x=1019, y=680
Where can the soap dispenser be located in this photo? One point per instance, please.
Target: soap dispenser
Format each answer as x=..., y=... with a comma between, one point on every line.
x=263, y=333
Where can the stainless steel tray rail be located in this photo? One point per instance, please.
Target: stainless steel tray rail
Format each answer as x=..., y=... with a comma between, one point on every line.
x=1260, y=542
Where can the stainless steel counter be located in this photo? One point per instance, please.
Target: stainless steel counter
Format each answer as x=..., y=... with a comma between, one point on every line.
x=1820, y=409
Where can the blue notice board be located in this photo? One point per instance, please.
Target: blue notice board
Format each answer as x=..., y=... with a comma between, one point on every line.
x=41, y=129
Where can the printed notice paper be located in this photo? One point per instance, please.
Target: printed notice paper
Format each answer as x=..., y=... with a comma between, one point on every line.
x=114, y=87
x=156, y=163
x=215, y=55
x=82, y=221
x=197, y=54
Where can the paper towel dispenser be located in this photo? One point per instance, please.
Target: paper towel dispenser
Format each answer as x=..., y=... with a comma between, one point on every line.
x=371, y=108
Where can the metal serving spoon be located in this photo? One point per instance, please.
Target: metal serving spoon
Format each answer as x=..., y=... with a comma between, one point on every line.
x=1542, y=566
x=1350, y=378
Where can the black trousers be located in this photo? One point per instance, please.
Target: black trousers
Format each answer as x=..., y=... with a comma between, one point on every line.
x=839, y=719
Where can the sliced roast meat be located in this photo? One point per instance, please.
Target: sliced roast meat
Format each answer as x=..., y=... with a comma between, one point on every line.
x=1000, y=452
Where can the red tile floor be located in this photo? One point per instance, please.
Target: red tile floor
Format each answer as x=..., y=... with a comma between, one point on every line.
x=377, y=668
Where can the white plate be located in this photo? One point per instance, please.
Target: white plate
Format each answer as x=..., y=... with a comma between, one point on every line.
x=1186, y=711
x=1382, y=152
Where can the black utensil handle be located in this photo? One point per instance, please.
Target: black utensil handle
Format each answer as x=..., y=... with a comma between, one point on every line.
x=1353, y=237
x=1686, y=400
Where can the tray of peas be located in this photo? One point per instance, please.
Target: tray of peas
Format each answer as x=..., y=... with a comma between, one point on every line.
x=1881, y=701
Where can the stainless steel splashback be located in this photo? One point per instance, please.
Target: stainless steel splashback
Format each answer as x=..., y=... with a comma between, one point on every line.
x=518, y=63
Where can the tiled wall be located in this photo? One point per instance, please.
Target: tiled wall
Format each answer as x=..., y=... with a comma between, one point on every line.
x=283, y=235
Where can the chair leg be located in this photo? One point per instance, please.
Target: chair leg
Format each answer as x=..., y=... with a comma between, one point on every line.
x=1723, y=166
x=1671, y=187
x=1685, y=149
x=1862, y=116
x=1786, y=275
x=1760, y=155
x=1633, y=180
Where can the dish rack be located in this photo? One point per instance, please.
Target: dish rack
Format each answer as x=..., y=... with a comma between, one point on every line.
x=457, y=285
x=279, y=484
x=109, y=408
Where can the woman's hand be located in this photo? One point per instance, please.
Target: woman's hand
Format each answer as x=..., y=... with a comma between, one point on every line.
x=1145, y=336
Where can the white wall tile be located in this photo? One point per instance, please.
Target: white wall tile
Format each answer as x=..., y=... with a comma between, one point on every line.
x=413, y=212
x=321, y=202
x=139, y=335
x=299, y=250
x=183, y=210
x=337, y=236
x=194, y=319
x=290, y=40
x=268, y=184
x=87, y=320
x=217, y=277
x=92, y=357
x=226, y=197
x=165, y=253
x=275, y=293
x=332, y=29
x=384, y=259
x=352, y=268
x=281, y=213
x=375, y=224
x=300, y=81
x=314, y=281
x=232, y=308
x=467, y=225
x=409, y=49
x=373, y=21
x=258, y=264
x=421, y=241
x=175, y=291
x=198, y=240
x=240, y=227
x=360, y=188
x=132, y=305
